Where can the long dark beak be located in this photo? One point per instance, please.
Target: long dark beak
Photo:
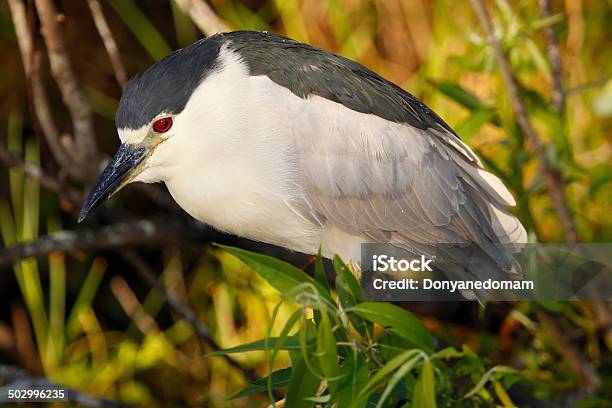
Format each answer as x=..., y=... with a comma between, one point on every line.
x=119, y=172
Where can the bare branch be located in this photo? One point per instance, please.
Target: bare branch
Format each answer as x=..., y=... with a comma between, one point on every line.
x=588, y=85
x=552, y=176
x=554, y=57
x=74, y=99
x=554, y=184
x=203, y=16
x=24, y=39
x=124, y=234
x=109, y=42
x=13, y=377
x=39, y=103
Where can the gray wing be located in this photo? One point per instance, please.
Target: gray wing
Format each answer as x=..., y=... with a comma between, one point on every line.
x=392, y=182
x=376, y=162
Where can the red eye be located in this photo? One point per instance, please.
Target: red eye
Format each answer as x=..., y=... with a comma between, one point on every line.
x=162, y=125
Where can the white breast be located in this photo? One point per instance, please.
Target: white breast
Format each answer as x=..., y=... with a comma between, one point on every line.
x=237, y=168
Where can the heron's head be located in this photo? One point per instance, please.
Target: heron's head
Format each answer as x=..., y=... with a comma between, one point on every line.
x=158, y=115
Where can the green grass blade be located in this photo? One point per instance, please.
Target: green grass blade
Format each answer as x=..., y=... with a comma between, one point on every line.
x=57, y=298
x=354, y=373
x=380, y=376
x=425, y=390
x=396, y=378
x=85, y=296
x=327, y=352
x=142, y=28
x=302, y=385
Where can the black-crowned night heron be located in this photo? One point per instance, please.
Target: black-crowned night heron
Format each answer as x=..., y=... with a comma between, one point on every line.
x=278, y=141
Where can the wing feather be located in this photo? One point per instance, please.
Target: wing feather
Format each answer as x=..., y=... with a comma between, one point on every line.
x=391, y=182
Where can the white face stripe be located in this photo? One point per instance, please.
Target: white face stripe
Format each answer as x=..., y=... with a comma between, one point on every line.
x=133, y=136
x=232, y=66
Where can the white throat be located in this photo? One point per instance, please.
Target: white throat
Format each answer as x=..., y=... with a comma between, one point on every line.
x=231, y=163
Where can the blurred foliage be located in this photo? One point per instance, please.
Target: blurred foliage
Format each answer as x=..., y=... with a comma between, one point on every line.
x=351, y=353
x=86, y=321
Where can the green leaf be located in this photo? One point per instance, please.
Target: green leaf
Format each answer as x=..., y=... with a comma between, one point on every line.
x=350, y=294
x=290, y=343
x=279, y=378
x=599, y=180
x=327, y=352
x=494, y=373
x=392, y=344
x=469, y=365
x=399, y=320
x=302, y=385
x=281, y=275
x=472, y=124
x=379, y=377
x=424, y=392
x=459, y=94
x=310, y=339
x=547, y=21
x=354, y=374
x=86, y=295
x=284, y=335
x=396, y=378
x=307, y=327
x=448, y=352
x=349, y=283
x=468, y=100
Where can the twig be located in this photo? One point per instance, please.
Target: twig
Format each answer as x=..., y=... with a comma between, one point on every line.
x=552, y=176
x=602, y=310
x=74, y=99
x=120, y=235
x=588, y=85
x=109, y=42
x=183, y=310
x=554, y=57
x=39, y=103
x=203, y=16
x=24, y=40
x=13, y=377
x=37, y=173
